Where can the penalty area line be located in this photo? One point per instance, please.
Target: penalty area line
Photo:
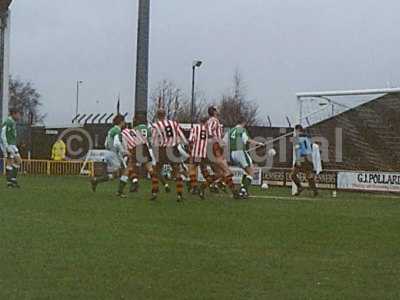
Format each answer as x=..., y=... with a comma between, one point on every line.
x=286, y=198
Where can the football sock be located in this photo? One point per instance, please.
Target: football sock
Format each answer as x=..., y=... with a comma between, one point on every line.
x=179, y=185
x=312, y=183
x=154, y=183
x=296, y=180
x=193, y=180
x=14, y=174
x=122, y=183
x=9, y=171
x=229, y=182
x=247, y=181
x=208, y=177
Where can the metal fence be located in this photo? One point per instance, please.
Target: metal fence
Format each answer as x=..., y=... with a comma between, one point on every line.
x=55, y=168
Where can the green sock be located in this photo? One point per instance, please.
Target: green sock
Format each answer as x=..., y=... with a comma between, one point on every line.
x=14, y=174
x=247, y=182
x=9, y=174
x=122, y=183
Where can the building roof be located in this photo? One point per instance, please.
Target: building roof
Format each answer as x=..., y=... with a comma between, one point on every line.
x=4, y=4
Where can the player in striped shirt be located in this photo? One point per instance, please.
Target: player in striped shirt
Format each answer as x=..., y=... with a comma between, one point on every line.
x=198, y=142
x=217, y=158
x=140, y=124
x=137, y=149
x=167, y=136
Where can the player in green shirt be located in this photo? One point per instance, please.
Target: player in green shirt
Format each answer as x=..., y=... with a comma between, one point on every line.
x=239, y=139
x=115, y=158
x=8, y=145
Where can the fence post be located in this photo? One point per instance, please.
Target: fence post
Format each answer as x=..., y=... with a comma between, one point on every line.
x=48, y=168
x=92, y=169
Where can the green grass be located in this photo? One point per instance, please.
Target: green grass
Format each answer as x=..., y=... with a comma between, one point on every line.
x=60, y=241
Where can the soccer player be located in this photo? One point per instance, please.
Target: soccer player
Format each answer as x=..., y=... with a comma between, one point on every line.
x=219, y=163
x=198, y=142
x=167, y=136
x=140, y=124
x=136, y=146
x=115, y=160
x=8, y=144
x=239, y=139
x=303, y=160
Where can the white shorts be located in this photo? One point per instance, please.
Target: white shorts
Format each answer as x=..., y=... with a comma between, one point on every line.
x=114, y=162
x=11, y=151
x=241, y=159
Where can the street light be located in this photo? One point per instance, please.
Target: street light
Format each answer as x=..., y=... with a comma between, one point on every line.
x=78, y=83
x=196, y=64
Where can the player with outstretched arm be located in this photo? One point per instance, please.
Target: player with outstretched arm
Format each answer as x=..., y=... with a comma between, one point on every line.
x=239, y=139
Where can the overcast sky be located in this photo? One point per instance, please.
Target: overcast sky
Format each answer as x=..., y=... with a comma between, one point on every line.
x=280, y=46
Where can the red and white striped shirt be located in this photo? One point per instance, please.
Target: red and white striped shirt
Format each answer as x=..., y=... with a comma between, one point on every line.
x=132, y=138
x=215, y=129
x=167, y=133
x=199, y=141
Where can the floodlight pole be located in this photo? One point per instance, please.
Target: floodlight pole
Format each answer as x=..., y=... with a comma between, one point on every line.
x=4, y=57
x=142, y=59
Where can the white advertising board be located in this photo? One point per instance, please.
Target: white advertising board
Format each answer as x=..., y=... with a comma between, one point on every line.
x=369, y=181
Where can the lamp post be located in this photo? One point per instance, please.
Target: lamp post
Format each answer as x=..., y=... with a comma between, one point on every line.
x=196, y=64
x=78, y=83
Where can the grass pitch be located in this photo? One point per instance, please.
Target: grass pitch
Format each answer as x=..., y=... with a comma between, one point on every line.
x=58, y=240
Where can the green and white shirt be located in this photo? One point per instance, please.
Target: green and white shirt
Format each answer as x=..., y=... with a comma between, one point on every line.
x=9, y=132
x=145, y=130
x=238, y=139
x=114, y=139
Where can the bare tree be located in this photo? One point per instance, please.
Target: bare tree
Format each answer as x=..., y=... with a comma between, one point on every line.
x=166, y=96
x=24, y=97
x=235, y=105
x=175, y=103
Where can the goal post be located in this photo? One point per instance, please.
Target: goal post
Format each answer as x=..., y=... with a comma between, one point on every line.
x=314, y=104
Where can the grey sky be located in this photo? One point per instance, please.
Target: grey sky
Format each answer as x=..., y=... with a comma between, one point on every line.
x=281, y=47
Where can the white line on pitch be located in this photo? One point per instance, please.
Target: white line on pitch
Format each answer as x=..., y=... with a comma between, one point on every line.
x=285, y=198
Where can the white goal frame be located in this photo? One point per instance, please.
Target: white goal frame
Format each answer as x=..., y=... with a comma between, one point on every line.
x=301, y=97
